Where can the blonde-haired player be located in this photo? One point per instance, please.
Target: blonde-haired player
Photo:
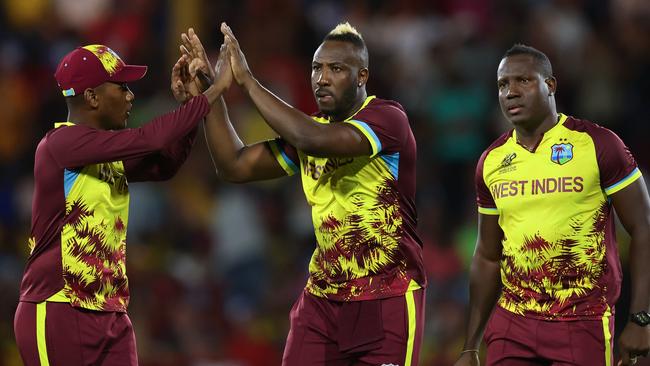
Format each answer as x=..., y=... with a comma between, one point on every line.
x=364, y=300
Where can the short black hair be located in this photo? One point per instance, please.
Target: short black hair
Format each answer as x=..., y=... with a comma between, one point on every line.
x=344, y=32
x=540, y=57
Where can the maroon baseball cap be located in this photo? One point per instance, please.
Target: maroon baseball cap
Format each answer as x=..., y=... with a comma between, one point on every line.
x=92, y=65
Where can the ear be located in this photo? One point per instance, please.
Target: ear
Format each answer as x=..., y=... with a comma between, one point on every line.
x=91, y=98
x=551, y=83
x=362, y=77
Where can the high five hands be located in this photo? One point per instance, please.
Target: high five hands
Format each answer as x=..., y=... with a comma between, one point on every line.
x=193, y=73
x=238, y=63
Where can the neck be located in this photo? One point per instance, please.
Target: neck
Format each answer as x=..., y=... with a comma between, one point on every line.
x=80, y=117
x=529, y=135
x=361, y=98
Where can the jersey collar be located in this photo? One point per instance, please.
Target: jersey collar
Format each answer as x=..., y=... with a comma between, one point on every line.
x=365, y=103
x=61, y=124
x=560, y=121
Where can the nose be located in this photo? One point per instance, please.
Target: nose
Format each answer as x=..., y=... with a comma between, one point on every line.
x=130, y=96
x=512, y=92
x=322, y=79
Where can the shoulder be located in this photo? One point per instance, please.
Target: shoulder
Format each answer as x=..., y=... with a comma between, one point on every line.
x=597, y=132
x=388, y=108
x=64, y=129
x=500, y=141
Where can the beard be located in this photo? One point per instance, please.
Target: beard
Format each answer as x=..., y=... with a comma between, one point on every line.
x=345, y=103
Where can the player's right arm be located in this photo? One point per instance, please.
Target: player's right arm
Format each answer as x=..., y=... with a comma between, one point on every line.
x=484, y=285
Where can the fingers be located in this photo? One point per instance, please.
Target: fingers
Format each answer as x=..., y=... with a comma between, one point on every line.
x=177, y=86
x=627, y=359
x=228, y=34
x=185, y=51
x=195, y=65
x=196, y=42
x=187, y=45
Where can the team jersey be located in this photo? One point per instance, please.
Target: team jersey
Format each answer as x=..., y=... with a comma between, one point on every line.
x=81, y=201
x=560, y=258
x=363, y=209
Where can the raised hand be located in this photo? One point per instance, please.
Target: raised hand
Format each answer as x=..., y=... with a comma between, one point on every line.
x=238, y=63
x=182, y=84
x=193, y=48
x=223, y=70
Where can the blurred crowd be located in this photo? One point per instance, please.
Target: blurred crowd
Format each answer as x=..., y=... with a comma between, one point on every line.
x=215, y=267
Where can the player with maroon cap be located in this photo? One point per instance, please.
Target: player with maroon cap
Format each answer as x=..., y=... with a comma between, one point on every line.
x=74, y=292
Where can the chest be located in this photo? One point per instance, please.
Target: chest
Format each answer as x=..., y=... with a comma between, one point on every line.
x=560, y=172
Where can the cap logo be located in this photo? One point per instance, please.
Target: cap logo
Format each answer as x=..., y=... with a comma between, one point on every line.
x=69, y=92
x=109, y=59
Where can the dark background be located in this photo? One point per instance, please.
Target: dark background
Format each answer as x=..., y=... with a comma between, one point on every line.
x=215, y=267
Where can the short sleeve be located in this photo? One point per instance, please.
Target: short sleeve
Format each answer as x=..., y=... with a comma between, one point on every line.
x=484, y=199
x=385, y=125
x=285, y=154
x=617, y=166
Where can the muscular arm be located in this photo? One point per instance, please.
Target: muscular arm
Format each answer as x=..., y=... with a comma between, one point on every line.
x=236, y=162
x=301, y=131
x=485, y=279
x=297, y=128
x=633, y=208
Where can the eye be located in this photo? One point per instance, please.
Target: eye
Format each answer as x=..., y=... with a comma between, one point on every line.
x=336, y=68
x=315, y=67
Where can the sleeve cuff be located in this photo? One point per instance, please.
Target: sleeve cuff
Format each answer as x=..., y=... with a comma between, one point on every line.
x=629, y=179
x=285, y=162
x=370, y=135
x=488, y=211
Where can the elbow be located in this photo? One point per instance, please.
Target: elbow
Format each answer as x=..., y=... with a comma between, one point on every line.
x=307, y=144
x=232, y=176
x=167, y=173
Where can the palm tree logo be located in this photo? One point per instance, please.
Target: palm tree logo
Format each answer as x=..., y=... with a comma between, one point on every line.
x=561, y=153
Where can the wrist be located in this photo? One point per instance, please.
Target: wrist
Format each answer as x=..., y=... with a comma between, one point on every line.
x=249, y=82
x=472, y=351
x=641, y=318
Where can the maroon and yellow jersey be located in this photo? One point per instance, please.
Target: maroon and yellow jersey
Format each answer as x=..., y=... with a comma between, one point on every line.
x=560, y=258
x=81, y=201
x=363, y=209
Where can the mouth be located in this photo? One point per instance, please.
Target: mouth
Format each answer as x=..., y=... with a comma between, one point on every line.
x=515, y=109
x=323, y=95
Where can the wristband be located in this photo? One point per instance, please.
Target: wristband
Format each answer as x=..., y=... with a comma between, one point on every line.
x=469, y=350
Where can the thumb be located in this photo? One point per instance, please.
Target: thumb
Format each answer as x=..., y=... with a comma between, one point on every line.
x=625, y=358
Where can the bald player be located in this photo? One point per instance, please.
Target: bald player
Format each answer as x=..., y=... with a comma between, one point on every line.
x=364, y=300
x=548, y=192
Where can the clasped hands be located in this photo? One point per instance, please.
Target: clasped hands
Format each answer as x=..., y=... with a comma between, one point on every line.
x=193, y=74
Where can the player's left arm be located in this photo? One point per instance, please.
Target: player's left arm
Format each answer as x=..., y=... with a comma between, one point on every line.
x=632, y=206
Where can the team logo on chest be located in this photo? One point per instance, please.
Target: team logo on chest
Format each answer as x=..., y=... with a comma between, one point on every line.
x=562, y=153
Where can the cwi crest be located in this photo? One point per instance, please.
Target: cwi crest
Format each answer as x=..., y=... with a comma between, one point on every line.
x=561, y=153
